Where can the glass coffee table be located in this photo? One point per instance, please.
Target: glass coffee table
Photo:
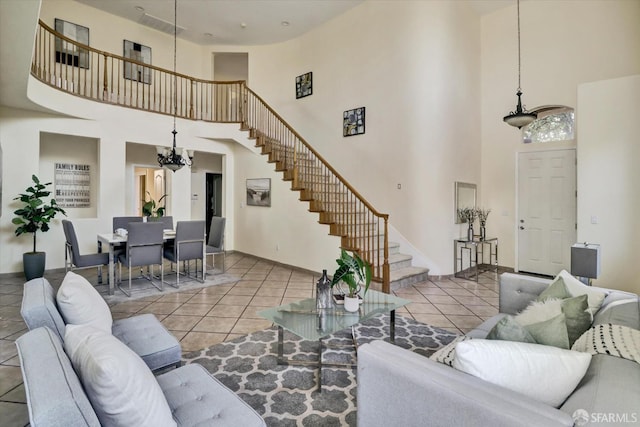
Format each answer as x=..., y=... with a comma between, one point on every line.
x=305, y=320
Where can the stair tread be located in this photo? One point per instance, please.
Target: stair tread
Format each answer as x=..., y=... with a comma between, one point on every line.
x=402, y=273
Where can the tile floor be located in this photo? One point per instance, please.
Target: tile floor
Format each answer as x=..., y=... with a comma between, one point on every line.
x=202, y=317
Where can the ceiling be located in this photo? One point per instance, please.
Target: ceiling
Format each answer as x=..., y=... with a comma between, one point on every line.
x=243, y=22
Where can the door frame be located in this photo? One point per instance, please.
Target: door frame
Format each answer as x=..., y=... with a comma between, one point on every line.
x=517, y=194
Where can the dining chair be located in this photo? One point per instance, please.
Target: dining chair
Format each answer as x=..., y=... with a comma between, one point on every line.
x=166, y=220
x=215, y=244
x=124, y=221
x=72, y=256
x=188, y=245
x=144, y=248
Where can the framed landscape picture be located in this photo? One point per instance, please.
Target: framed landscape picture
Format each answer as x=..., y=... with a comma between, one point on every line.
x=259, y=192
x=304, y=85
x=139, y=53
x=353, y=122
x=68, y=53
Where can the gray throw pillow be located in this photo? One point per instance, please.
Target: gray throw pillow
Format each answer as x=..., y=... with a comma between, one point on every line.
x=557, y=289
x=550, y=332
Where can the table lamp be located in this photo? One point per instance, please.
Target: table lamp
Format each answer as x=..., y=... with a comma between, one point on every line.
x=585, y=261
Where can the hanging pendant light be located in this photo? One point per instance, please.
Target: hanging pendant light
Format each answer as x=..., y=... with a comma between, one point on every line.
x=520, y=117
x=172, y=158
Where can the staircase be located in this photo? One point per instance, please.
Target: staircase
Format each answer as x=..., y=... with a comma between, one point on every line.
x=361, y=228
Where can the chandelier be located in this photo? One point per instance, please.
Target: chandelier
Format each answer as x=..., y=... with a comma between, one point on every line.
x=172, y=158
x=520, y=117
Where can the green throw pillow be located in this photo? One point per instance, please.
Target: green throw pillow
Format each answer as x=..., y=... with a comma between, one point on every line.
x=551, y=332
x=507, y=329
x=557, y=289
x=577, y=317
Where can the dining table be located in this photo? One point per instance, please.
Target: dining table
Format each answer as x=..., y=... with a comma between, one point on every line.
x=113, y=240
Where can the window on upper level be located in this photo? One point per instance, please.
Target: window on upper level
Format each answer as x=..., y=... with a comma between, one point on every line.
x=553, y=124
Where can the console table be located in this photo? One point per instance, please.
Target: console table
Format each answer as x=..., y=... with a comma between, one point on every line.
x=478, y=255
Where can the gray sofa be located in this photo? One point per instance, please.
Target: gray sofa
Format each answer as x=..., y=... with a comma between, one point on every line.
x=55, y=395
x=399, y=387
x=144, y=334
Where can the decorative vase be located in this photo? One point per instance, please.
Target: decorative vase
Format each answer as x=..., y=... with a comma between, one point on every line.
x=351, y=304
x=483, y=232
x=33, y=264
x=470, y=232
x=324, y=297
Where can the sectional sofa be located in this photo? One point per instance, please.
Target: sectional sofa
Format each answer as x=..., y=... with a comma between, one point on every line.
x=399, y=387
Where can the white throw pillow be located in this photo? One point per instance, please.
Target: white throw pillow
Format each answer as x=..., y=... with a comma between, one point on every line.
x=577, y=288
x=547, y=374
x=81, y=304
x=120, y=386
x=539, y=311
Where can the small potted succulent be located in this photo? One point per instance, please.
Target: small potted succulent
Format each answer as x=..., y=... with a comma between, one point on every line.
x=356, y=274
x=35, y=215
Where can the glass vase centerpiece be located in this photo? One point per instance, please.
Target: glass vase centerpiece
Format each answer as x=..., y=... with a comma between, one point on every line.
x=482, y=219
x=468, y=215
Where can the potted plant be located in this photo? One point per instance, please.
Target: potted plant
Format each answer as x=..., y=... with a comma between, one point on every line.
x=149, y=207
x=356, y=273
x=33, y=216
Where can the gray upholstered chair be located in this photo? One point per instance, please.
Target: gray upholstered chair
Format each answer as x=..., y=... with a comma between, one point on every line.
x=215, y=244
x=144, y=248
x=124, y=221
x=166, y=220
x=74, y=259
x=188, y=245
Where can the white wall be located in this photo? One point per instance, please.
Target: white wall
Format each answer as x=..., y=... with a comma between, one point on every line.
x=414, y=66
x=564, y=44
x=609, y=177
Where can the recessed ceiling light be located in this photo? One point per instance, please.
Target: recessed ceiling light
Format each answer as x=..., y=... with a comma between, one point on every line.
x=208, y=34
x=243, y=24
x=285, y=23
x=140, y=8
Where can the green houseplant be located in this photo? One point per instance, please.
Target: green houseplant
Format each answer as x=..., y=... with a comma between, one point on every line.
x=356, y=273
x=149, y=207
x=35, y=215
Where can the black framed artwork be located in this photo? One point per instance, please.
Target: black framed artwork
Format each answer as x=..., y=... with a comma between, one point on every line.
x=304, y=85
x=139, y=53
x=353, y=122
x=68, y=53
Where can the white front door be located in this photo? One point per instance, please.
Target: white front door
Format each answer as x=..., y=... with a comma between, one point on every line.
x=546, y=210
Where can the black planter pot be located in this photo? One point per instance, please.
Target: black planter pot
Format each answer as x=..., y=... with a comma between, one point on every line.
x=33, y=263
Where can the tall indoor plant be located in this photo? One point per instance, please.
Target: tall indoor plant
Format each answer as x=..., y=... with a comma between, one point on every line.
x=35, y=215
x=356, y=273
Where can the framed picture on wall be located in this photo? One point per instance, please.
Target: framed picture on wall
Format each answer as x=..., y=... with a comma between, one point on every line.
x=139, y=53
x=304, y=85
x=259, y=192
x=353, y=122
x=68, y=53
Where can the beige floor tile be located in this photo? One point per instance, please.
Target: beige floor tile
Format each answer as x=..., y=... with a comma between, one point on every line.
x=453, y=309
x=14, y=414
x=470, y=300
x=271, y=301
x=10, y=327
x=223, y=310
x=233, y=336
x=432, y=291
x=178, y=297
x=215, y=324
x=188, y=309
x=258, y=275
x=301, y=285
x=179, y=334
x=129, y=306
x=458, y=292
x=271, y=284
x=216, y=290
x=236, y=300
x=161, y=307
x=10, y=312
x=8, y=350
x=180, y=323
x=485, y=293
x=298, y=293
x=10, y=377
x=437, y=320
x=248, y=284
x=270, y=292
x=441, y=299
x=464, y=321
x=243, y=291
x=416, y=307
x=493, y=301
x=205, y=299
x=16, y=395
x=193, y=341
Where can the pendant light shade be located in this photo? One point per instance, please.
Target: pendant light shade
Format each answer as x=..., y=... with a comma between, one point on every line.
x=520, y=117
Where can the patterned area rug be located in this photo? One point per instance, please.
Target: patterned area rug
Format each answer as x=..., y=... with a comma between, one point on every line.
x=288, y=395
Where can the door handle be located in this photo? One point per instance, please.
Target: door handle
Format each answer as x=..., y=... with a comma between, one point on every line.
x=521, y=228
x=522, y=220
